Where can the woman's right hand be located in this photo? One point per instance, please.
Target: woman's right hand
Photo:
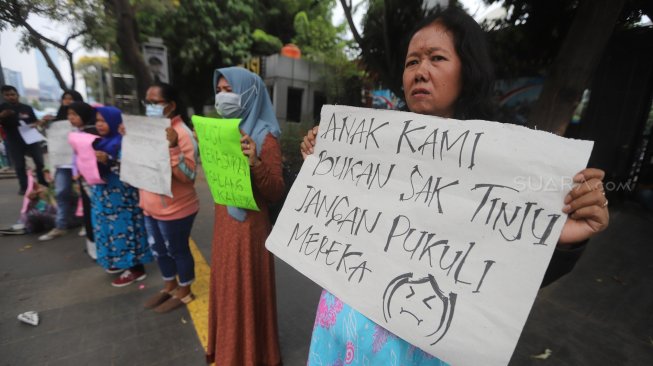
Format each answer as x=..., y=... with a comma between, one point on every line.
x=308, y=143
x=102, y=157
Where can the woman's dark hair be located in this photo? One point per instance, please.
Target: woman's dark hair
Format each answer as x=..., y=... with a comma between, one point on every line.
x=85, y=112
x=62, y=113
x=73, y=93
x=475, y=100
x=170, y=94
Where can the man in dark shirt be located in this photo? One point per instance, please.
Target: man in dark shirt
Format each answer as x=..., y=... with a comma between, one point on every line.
x=12, y=112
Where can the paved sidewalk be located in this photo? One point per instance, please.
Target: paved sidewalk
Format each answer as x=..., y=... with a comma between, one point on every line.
x=84, y=320
x=602, y=312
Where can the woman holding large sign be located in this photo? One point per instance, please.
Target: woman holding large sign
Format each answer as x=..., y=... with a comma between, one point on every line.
x=242, y=303
x=447, y=73
x=169, y=220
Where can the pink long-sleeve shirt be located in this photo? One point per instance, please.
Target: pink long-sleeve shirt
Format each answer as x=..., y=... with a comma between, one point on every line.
x=184, y=201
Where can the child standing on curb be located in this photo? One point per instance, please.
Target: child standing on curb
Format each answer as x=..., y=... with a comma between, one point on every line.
x=117, y=220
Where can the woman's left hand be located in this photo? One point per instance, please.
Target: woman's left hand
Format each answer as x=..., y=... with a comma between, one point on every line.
x=586, y=206
x=249, y=149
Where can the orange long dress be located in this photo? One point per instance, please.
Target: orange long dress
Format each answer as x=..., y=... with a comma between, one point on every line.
x=242, y=303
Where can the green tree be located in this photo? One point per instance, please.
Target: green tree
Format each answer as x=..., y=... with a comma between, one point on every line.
x=382, y=43
x=317, y=37
x=201, y=36
x=77, y=13
x=563, y=41
x=322, y=42
x=120, y=15
x=265, y=44
x=276, y=17
x=94, y=70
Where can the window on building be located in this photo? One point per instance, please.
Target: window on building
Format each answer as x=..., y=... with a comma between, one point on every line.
x=319, y=99
x=294, y=104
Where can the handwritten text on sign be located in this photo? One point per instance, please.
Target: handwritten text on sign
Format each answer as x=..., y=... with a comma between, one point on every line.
x=227, y=170
x=439, y=230
x=145, y=156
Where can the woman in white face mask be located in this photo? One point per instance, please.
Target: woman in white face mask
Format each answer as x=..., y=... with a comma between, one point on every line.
x=168, y=221
x=242, y=303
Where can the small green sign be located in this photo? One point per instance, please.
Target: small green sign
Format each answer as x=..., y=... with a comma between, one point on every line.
x=226, y=167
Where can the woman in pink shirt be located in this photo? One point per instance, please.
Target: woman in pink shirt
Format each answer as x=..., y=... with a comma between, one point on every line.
x=169, y=220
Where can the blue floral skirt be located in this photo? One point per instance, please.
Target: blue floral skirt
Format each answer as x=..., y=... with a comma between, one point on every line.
x=118, y=225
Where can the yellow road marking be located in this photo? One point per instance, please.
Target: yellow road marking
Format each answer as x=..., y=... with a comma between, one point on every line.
x=199, y=308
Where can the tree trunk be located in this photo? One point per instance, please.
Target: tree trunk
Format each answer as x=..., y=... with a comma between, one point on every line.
x=127, y=39
x=575, y=64
x=44, y=51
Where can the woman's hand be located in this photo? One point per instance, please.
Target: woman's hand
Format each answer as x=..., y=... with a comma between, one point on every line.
x=172, y=137
x=102, y=157
x=249, y=149
x=308, y=143
x=121, y=129
x=586, y=206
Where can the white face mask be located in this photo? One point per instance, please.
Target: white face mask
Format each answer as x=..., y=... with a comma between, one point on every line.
x=227, y=104
x=230, y=105
x=155, y=110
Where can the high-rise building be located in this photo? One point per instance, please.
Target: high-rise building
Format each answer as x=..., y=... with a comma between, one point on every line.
x=49, y=90
x=15, y=79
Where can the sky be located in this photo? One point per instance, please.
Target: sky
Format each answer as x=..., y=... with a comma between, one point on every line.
x=14, y=59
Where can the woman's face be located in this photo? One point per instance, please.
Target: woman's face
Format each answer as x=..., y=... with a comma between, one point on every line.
x=74, y=118
x=223, y=85
x=153, y=96
x=66, y=100
x=432, y=72
x=101, y=125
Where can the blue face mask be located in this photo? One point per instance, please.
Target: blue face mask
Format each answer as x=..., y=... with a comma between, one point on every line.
x=155, y=110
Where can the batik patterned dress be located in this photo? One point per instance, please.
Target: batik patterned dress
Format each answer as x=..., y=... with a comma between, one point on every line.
x=343, y=336
x=118, y=224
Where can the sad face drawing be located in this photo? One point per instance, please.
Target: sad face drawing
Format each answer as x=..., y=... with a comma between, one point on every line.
x=419, y=301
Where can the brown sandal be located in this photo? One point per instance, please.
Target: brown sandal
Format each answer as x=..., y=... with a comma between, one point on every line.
x=158, y=299
x=174, y=302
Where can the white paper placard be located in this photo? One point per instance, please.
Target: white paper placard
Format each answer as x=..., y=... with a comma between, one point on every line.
x=59, y=150
x=29, y=134
x=145, y=160
x=438, y=230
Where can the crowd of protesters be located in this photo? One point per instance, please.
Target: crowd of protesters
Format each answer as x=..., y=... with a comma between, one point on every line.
x=447, y=73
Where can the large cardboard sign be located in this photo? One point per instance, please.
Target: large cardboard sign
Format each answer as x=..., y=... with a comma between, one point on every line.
x=438, y=230
x=145, y=155
x=227, y=169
